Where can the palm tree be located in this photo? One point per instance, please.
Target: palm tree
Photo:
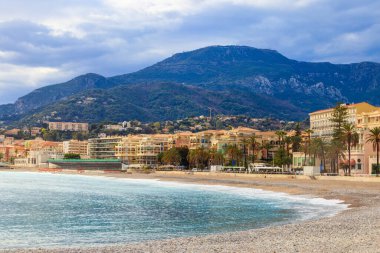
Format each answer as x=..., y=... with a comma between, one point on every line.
x=198, y=157
x=374, y=137
x=216, y=157
x=245, y=142
x=351, y=138
x=307, y=149
x=254, y=146
x=266, y=146
x=334, y=152
x=318, y=148
x=288, y=141
x=281, y=134
x=233, y=153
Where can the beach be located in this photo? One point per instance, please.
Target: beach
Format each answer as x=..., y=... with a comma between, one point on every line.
x=356, y=229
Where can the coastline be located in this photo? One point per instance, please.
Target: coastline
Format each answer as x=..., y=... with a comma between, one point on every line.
x=354, y=230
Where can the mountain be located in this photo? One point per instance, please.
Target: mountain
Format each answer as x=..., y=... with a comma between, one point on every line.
x=162, y=101
x=229, y=79
x=52, y=93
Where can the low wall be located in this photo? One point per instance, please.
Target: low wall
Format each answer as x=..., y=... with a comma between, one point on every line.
x=230, y=175
x=274, y=176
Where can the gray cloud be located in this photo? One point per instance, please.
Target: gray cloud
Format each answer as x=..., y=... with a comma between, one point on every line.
x=43, y=43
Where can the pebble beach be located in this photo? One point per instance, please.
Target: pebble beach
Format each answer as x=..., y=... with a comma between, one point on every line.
x=357, y=229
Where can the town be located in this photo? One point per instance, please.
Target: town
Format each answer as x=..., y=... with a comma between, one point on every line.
x=342, y=140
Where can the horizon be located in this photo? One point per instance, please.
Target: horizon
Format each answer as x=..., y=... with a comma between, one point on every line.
x=47, y=43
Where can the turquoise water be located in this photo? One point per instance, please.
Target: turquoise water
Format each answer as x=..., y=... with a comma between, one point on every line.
x=52, y=210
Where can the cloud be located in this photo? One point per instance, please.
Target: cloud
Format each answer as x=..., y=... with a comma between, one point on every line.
x=43, y=42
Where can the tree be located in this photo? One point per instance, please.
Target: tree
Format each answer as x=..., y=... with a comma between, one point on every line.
x=351, y=139
x=159, y=157
x=234, y=154
x=71, y=156
x=267, y=147
x=281, y=135
x=319, y=148
x=287, y=142
x=1, y=156
x=198, y=157
x=184, y=152
x=216, y=157
x=297, y=139
x=374, y=138
x=245, y=143
x=334, y=152
x=280, y=158
x=172, y=157
x=254, y=144
x=309, y=132
x=339, y=119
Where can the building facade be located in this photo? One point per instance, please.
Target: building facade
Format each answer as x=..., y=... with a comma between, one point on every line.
x=68, y=126
x=76, y=147
x=365, y=117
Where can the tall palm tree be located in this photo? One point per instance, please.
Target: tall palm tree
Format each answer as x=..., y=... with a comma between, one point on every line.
x=351, y=138
x=198, y=157
x=374, y=138
x=334, y=151
x=233, y=153
x=318, y=148
x=281, y=134
x=254, y=146
x=216, y=157
x=288, y=141
x=267, y=147
x=307, y=149
x=245, y=143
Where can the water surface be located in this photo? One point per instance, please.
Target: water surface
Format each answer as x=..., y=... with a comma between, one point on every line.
x=54, y=210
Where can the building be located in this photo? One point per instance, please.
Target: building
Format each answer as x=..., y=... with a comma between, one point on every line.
x=103, y=148
x=322, y=126
x=37, y=158
x=143, y=150
x=114, y=127
x=76, y=147
x=68, y=126
x=365, y=117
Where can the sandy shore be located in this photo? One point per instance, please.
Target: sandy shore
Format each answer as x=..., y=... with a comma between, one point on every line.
x=353, y=230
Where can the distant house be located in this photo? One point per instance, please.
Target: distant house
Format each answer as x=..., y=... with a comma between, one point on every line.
x=68, y=126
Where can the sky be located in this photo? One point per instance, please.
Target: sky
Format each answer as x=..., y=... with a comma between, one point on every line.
x=46, y=42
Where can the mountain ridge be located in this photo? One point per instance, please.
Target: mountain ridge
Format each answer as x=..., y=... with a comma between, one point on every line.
x=266, y=75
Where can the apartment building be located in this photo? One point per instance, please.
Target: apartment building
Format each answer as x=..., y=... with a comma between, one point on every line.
x=68, y=126
x=103, y=148
x=364, y=116
x=37, y=152
x=142, y=150
x=76, y=147
x=322, y=126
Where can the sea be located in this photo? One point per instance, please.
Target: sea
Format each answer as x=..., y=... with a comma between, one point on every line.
x=60, y=210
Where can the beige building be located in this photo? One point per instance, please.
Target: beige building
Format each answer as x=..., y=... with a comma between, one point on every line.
x=322, y=126
x=142, y=150
x=68, y=126
x=76, y=147
x=364, y=116
x=103, y=148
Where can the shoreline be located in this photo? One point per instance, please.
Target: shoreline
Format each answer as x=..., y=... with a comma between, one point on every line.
x=356, y=229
